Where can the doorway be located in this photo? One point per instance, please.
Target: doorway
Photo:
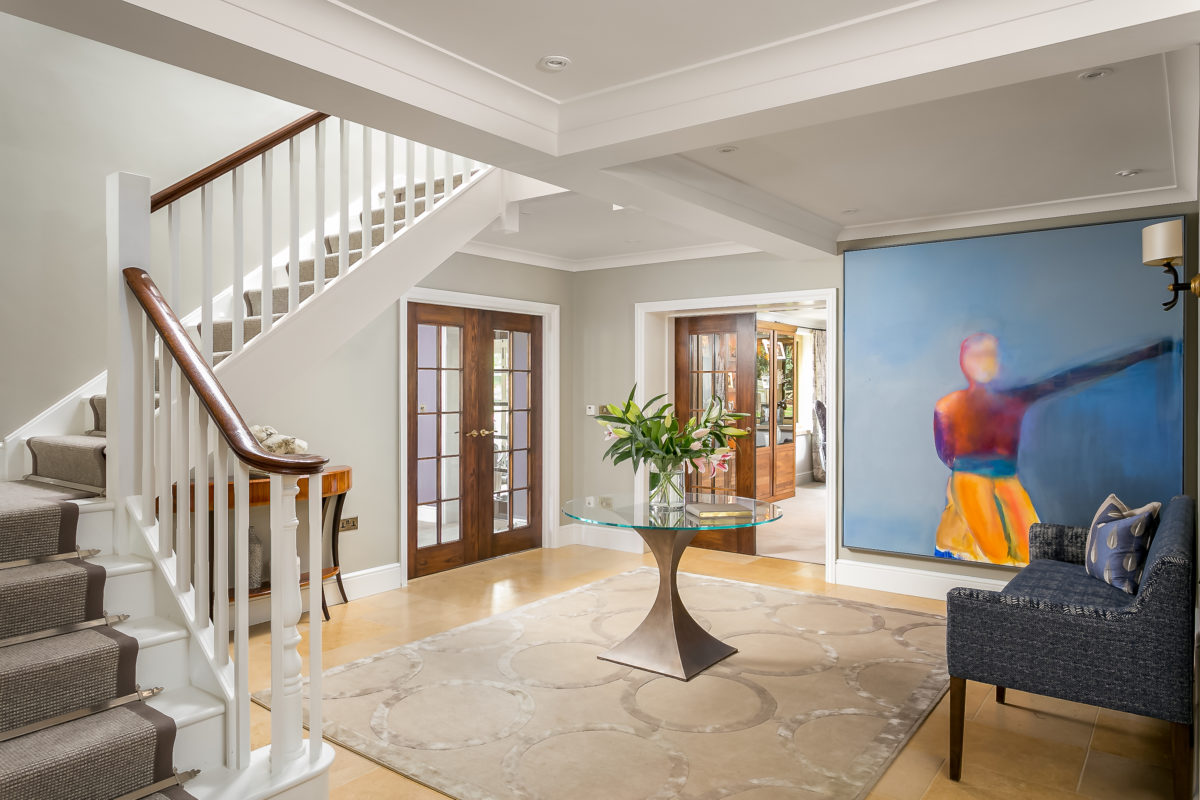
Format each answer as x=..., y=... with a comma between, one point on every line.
x=474, y=421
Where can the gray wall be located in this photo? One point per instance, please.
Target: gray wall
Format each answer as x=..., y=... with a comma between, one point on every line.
x=75, y=111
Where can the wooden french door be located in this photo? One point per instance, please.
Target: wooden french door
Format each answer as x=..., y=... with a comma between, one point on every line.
x=714, y=355
x=474, y=432
x=775, y=411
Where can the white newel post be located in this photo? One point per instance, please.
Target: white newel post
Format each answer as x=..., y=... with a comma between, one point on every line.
x=128, y=230
x=287, y=735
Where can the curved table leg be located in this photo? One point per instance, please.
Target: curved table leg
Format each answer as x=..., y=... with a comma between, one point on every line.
x=669, y=641
x=337, y=524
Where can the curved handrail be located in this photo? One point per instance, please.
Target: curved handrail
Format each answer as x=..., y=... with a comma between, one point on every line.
x=230, y=162
x=208, y=389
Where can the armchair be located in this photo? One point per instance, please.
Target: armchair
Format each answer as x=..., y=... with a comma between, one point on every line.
x=1054, y=630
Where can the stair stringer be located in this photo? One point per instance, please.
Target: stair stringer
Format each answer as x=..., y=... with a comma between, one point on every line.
x=326, y=321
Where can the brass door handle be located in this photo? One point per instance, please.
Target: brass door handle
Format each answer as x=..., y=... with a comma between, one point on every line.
x=485, y=432
x=472, y=433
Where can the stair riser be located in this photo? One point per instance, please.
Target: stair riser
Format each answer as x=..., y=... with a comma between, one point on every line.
x=201, y=745
x=164, y=665
x=377, y=216
x=331, y=266
x=129, y=594
x=254, y=299
x=355, y=238
x=94, y=531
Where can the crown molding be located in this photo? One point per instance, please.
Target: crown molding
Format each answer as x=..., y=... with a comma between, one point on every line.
x=503, y=253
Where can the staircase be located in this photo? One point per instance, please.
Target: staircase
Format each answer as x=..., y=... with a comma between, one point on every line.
x=94, y=696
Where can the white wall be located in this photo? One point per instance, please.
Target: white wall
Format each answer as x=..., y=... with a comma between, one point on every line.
x=75, y=111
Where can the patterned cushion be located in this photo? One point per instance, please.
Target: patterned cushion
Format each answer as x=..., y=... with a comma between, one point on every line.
x=1065, y=584
x=1118, y=541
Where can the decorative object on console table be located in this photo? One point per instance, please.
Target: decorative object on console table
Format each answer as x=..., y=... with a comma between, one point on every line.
x=657, y=437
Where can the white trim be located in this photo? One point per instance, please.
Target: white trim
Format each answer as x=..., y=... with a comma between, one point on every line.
x=832, y=383
x=369, y=581
x=907, y=580
x=687, y=253
x=65, y=416
x=621, y=539
x=551, y=315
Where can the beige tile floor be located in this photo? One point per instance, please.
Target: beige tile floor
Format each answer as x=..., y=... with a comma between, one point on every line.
x=1029, y=749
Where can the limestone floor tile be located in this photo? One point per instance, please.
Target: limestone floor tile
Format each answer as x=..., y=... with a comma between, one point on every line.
x=1039, y=717
x=983, y=784
x=1038, y=761
x=1133, y=736
x=1109, y=777
x=383, y=784
x=909, y=776
x=348, y=766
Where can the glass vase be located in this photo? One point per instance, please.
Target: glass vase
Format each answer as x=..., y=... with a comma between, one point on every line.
x=666, y=487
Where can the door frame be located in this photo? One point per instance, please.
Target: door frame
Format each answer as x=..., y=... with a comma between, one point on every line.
x=652, y=343
x=551, y=399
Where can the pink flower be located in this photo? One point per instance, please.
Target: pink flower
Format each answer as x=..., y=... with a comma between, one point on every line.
x=610, y=434
x=703, y=466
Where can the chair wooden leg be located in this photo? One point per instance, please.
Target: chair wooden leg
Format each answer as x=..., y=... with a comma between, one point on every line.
x=958, y=706
x=1181, y=758
x=1000, y=690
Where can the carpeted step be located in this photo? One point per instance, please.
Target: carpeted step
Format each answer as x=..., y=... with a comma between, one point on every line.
x=378, y=214
x=176, y=793
x=355, y=238
x=48, y=595
x=35, y=523
x=99, y=405
x=439, y=186
x=279, y=300
x=308, y=270
x=223, y=332
x=104, y=755
x=48, y=677
x=75, y=459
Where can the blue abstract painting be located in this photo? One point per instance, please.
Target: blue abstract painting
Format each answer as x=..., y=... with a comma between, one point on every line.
x=995, y=382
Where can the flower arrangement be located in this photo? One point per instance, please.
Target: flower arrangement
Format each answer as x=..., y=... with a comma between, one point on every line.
x=656, y=436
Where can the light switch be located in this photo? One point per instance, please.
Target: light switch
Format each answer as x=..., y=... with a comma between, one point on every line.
x=590, y=410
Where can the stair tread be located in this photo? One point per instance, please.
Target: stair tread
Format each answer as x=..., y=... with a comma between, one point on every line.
x=74, y=458
x=152, y=631
x=42, y=596
x=33, y=490
x=116, y=565
x=187, y=705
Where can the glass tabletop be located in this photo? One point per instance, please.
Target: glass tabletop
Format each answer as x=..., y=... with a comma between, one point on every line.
x=701, y=511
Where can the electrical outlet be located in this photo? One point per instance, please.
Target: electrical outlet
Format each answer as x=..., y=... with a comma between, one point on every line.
x=348, y=524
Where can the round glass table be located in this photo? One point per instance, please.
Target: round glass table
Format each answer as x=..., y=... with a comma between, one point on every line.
x=669, y=641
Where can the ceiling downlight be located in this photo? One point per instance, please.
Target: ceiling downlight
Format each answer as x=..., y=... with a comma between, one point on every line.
x=553, y=63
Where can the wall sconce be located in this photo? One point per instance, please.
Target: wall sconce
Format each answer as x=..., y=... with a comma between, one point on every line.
x=1162, y=246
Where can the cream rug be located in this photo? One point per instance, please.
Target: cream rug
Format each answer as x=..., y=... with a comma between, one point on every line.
x=819, y=698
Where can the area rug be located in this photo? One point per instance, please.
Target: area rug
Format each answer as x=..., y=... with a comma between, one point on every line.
x=817, y=701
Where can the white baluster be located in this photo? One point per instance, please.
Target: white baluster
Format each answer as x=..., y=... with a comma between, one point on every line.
x=318, y=248
x=220, y=561
x=410, y=180
x=239, y=255
x=344, y=212
x=183, y=488
x=166, y=453
x=241, y=613
x=468, y=165
x=146, y=420
x=367, y=205
x=286, y=684
x=200, y=558
x=316, y=560
x=267, y=272
x=430, y=178
x=173, y=236
x=448, y=181
x=389, y=187
x=206, y=273
x=293, y=225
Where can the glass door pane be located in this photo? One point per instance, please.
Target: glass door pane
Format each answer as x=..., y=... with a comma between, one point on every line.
x=439, y=401
x=511, y=397
x=785, y=404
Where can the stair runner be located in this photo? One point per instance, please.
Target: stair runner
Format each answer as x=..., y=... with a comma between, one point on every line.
x=73, y=725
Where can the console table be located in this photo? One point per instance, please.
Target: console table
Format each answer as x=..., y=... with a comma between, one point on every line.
x=335, y=483
x=668, y=641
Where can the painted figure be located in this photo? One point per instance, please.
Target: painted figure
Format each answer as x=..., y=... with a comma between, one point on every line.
x=977, y=432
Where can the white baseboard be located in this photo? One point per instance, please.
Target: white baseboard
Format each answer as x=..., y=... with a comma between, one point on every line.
x=907, y=580
x=362, y=583
x=804, y=477
x=622, y=539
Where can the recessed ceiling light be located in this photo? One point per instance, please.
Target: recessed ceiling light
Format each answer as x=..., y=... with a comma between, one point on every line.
x=553, y=63
x=727, y=148
x=1094, y=74
x=850, y=212
x=1128, y=173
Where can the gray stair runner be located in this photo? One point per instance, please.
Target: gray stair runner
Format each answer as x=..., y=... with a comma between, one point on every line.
x=76, y=459
x=59, y=737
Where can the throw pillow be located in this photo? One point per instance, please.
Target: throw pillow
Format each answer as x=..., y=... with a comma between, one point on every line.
x=1118, y=541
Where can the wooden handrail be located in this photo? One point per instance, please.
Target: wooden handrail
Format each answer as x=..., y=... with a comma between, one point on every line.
x=178, y=345
x=230, y=162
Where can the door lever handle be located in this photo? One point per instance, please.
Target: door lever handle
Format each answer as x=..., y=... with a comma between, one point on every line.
x=472, y=433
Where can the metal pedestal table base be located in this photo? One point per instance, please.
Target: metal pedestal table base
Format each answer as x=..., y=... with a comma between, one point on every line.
x=669, y=641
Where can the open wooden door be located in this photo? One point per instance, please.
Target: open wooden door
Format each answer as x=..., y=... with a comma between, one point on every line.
x=714, y=355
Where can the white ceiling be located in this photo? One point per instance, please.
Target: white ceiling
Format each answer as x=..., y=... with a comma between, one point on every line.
x=611, y=44
x=925, y=116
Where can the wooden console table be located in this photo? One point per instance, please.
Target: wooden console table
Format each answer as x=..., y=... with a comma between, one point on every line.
x=335, y=483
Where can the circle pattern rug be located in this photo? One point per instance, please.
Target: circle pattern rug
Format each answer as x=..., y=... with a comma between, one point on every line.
x=817, y=701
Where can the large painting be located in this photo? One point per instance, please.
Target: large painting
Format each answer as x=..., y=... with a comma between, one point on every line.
x=995, y=382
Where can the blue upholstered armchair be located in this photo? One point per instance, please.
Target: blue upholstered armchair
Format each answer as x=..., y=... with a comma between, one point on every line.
x=1055, y=630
